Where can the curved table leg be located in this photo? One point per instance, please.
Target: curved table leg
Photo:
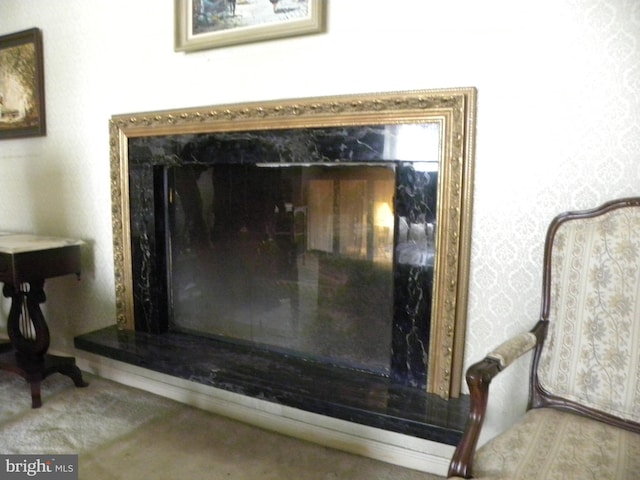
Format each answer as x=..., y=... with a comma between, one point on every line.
x=26, y=325
x=29, y=336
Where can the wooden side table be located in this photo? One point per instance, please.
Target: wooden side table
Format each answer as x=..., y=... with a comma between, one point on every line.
x=25, y=262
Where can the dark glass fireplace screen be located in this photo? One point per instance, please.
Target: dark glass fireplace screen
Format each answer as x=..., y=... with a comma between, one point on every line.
x=319, y=246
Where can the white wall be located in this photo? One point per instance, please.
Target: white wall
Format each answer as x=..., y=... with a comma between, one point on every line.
x=558, y=124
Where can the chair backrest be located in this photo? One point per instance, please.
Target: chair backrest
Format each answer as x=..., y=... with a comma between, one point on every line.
x=591, y=303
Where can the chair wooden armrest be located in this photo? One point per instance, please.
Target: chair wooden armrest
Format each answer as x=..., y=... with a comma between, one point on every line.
x=479, y=377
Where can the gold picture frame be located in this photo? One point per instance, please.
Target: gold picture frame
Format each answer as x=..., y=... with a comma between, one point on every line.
x=22, y=106
x=204, y=24
x=453, y=110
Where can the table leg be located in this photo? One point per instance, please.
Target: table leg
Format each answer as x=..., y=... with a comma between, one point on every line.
x=26, y=325
x=29, y=336
x=36, y=397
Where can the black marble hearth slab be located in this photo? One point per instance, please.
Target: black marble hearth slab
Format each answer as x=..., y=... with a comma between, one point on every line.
x=336, y=392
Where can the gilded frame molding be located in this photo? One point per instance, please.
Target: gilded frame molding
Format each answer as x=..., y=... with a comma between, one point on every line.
x=453, y=108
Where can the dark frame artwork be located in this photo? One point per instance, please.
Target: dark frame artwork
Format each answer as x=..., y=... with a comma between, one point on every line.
x=22, y=105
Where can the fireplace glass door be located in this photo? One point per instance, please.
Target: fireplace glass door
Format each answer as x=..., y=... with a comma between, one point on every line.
x=295, y=258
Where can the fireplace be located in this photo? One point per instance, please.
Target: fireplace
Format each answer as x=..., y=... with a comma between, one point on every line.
x=309, y=252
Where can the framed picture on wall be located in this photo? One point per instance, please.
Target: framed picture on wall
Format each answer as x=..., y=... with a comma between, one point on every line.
x=203, y=24
x=22, y=112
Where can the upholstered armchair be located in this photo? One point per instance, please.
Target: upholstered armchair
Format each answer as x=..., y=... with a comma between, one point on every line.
x=583, y=416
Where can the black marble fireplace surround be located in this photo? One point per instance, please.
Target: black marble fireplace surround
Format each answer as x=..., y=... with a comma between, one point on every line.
x=393, y=397
x=253, y=246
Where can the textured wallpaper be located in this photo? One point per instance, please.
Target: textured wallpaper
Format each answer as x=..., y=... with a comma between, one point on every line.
x=573, y=143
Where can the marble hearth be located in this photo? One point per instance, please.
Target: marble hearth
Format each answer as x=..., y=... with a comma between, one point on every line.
x=347, y=394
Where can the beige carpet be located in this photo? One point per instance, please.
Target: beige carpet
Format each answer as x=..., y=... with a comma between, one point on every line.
x=123, y=433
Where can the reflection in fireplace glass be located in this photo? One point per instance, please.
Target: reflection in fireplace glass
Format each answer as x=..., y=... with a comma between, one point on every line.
x=295, y=258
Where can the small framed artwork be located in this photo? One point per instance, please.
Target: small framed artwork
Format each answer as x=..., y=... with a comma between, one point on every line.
x=22, y=112
x=203, y=24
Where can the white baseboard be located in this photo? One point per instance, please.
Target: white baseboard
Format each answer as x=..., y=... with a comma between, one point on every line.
x=390, y=447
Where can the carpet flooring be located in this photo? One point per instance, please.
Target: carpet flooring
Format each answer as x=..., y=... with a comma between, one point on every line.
x=120, y=432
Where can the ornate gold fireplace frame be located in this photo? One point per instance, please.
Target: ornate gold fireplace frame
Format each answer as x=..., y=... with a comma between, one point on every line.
x=452, y=109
